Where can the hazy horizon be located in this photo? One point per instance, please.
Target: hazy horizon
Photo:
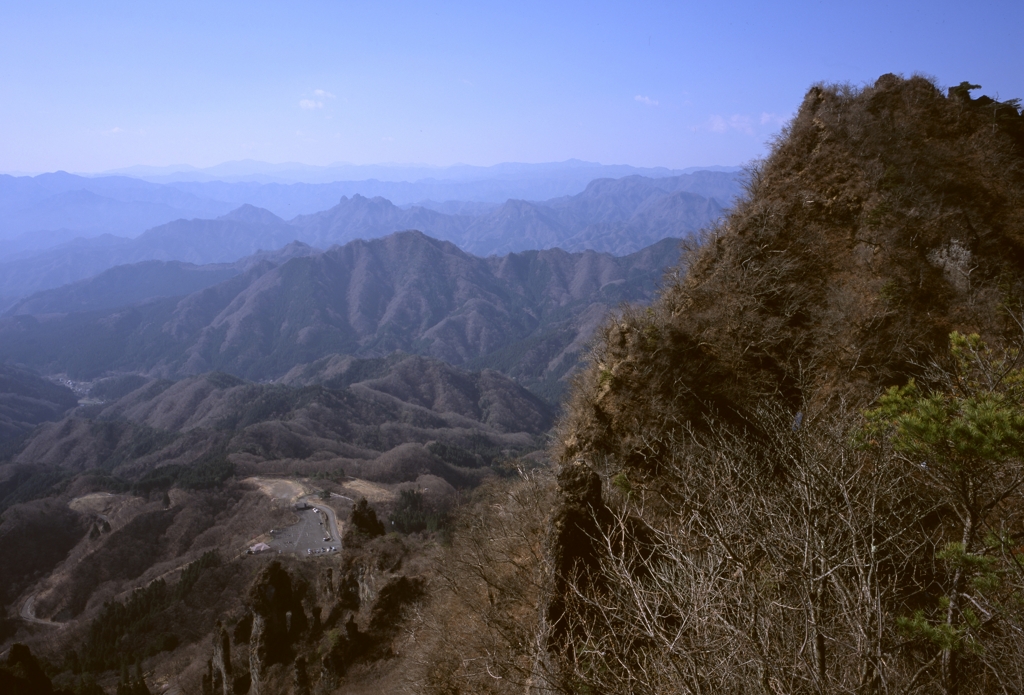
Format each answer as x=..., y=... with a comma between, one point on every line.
x=144, y=170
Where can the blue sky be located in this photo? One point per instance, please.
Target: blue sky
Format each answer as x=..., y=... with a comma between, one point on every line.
x=95, y=86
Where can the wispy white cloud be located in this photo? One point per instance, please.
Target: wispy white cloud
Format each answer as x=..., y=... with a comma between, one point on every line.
x=743, y=124
x=320, y=95
x=646, y=101
x=738, y=122
x=387, y=138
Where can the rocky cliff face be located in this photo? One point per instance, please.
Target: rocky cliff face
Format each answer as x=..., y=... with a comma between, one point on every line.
x=278, y=622
x=296, y=636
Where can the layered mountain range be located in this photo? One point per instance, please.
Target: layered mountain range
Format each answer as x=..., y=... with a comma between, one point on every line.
x=367, y=408
x=63, y=205
x=568, y=172
x=134, y=283
x=618, y=216
x=394, y=420
x=528, y=314
x=130, y=200
x=184, y=353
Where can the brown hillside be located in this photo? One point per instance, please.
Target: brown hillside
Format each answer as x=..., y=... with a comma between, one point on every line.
x=261, y=427
x=881, y=220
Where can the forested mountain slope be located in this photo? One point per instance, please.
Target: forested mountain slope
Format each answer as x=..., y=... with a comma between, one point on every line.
x=177, y=424
x=106, y=466
x=883, y=219
x=27, y=400
x=526, y=313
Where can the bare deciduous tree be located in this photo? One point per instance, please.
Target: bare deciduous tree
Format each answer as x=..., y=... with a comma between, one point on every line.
x=791, y=559
x=481, y=624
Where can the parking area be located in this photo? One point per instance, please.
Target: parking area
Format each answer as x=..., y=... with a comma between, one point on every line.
x=312, y=535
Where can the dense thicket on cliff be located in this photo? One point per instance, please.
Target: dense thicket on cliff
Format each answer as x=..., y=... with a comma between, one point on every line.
x=881, y=220
x=752, y=537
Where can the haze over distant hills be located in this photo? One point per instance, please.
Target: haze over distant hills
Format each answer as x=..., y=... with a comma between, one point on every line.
x=619, y=216
x=240, y=289
x=66, y=205
x=138, y=282
x=248, y=170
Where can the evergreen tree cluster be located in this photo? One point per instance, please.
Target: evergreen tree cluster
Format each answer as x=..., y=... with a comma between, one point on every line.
x=124, y=633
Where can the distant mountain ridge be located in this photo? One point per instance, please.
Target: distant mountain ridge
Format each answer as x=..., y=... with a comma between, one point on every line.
x=132, y=281
x=112, y=205
x=69, y=204
x=291, y=172
x=124, y=285
x=528, y=314
x=615, y=215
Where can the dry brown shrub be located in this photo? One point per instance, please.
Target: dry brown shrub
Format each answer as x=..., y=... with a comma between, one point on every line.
x=478, y=633
x=786, y=563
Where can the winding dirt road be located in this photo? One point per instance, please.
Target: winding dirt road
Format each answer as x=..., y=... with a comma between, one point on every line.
x=28, y=614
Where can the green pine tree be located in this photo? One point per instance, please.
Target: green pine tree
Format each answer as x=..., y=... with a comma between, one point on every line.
x=963, y=440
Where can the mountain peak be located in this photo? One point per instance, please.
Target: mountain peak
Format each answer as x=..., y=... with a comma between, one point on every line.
x=358, y=199
x=251, y=214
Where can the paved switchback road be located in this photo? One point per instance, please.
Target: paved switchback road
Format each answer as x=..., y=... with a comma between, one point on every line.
x=330, y=510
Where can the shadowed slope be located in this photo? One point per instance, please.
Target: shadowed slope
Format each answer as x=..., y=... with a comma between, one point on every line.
x=27, y=400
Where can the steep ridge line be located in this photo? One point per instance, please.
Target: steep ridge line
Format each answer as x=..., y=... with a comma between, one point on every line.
x=526, y=314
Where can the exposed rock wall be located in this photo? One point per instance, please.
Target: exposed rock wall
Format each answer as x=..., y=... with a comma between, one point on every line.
x=257, y=654
x=222, y=660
